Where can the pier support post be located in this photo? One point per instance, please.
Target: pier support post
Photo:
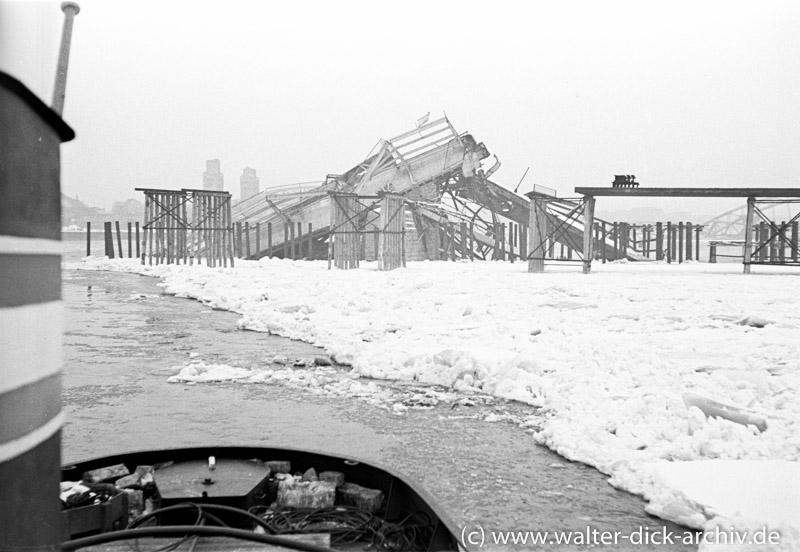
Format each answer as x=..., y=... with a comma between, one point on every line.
x=588, y=225
x=748, y=234
x=537, y=225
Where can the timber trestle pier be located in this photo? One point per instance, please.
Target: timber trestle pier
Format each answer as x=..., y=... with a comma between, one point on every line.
x=771, y=235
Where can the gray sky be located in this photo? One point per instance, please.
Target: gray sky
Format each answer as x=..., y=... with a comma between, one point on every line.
x=677, y=93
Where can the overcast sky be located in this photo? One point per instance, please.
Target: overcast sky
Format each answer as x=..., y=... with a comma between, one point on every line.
x=677, y=93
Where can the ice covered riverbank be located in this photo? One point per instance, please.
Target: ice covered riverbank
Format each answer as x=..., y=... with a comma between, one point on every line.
x=604, y=360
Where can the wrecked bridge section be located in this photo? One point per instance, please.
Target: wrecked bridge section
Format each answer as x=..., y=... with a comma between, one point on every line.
x=423, y=195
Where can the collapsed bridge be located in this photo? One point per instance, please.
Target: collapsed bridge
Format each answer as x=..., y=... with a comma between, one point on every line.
x=450, y=207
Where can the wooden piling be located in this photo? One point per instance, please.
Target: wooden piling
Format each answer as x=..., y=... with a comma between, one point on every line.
x=794, y=243
x=119, y=239
x=689, y=247
x=109, y=240
x=238, y=240
x=138, y=250
x=659, y=242
x=588, y=226
x=285, y=240
x=537, y=223
x=258, y=240
x=748, y=234
x=194, y=239
x=149, y=233
x=299, y=240
x=88, y=239
x=229, y=226
x=697, y=230
x=670, y=245
x=130, y=240
x=511, y=227
x=310, y=256
x=501, y=228
x=624, y=229
x=269, y=238
x=247, y=239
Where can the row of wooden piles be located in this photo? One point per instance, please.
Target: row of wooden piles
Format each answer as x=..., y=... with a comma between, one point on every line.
x=776, y=243
x=298, y=242
x=673, y=242
x=347, y=215
x=174, y=233
x=447, y=240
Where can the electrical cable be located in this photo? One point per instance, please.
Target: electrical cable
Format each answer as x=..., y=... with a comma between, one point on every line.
x=186, y=505
x=347, y=525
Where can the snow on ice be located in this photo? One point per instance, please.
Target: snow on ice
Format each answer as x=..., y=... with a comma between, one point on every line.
x=614, y=362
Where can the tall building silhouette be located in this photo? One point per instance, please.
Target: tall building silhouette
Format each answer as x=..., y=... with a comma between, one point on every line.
x=249, y=183
x=212, y=178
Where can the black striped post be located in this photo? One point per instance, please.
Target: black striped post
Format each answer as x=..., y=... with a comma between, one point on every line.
x=30, y=319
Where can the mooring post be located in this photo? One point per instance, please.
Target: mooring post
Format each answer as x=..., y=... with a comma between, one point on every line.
x=537, y=223
x=689, y=247
x=109, y=240
x=748, y=234
x=588, y=225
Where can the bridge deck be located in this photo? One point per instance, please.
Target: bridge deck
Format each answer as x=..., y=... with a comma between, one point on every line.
x=690, y=192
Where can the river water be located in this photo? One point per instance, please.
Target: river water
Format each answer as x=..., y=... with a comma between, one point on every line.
x=123, y=339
